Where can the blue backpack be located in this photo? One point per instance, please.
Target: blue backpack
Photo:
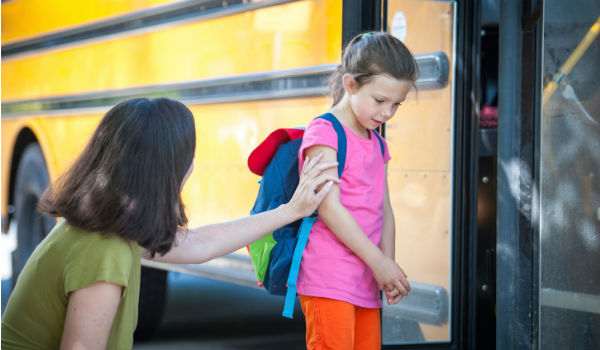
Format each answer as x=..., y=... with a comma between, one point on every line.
x=276, y=257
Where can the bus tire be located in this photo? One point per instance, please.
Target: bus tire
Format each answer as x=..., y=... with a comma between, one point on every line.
x=153, y=295
x=32, y=179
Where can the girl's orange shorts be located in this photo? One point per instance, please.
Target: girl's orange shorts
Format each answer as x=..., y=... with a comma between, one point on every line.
x=338, y=325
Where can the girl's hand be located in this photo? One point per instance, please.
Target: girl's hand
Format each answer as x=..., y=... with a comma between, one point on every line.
x=391, y=279
x=313, y=186
x=393, y=296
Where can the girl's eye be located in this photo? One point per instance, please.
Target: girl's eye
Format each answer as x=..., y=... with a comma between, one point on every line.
x=378, y=100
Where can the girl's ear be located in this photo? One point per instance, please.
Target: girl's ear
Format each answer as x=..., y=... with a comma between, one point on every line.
x=350, y=85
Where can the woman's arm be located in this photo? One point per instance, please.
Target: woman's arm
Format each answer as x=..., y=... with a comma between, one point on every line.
x=388, y=274
x=204, y=243
x=90, y=314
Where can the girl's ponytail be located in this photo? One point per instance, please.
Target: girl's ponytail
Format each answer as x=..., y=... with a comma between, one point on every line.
x=335, y=84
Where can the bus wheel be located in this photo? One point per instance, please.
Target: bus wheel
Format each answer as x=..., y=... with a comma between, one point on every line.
x=153, y=294
x=32, y=227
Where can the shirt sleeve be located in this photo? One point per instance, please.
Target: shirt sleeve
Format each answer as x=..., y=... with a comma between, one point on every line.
x=319, y=132
x=108, y=258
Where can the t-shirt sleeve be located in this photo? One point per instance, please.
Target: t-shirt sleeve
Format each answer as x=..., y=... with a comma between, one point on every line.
x=108, y=258
x=319, y=132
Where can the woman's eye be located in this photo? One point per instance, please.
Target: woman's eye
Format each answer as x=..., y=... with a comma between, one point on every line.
x=378, y=100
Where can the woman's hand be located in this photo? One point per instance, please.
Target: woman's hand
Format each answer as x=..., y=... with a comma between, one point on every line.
x=313, y=186
x=200, y=244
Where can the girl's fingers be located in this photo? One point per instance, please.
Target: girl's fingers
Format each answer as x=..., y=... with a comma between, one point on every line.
x=404, y=282
x=393, y=295
x=406, y=285
x=401, y=288
x=395, y=300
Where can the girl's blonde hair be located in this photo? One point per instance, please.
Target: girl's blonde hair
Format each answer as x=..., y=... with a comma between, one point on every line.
x=373, y=53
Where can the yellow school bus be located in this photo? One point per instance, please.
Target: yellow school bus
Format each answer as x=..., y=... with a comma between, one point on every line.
x=247, y=67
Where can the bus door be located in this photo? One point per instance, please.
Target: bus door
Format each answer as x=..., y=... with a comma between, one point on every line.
x=424, y=177
x=569, y=167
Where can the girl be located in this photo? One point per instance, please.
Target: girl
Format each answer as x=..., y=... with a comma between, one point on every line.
x=349, y=256
x=120, y=202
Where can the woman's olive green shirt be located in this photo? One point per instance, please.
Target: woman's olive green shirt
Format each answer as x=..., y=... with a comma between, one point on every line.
x=69, y=259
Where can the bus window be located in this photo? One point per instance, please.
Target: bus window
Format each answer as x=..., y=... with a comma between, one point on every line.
x=569, y=294
x=420, y=176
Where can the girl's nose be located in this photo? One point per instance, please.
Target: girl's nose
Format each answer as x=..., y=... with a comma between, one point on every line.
x=387, y=113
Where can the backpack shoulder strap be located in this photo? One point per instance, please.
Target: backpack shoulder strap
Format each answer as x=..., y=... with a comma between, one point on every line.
x=380, y=139
x=290, y=297
x=341, y=136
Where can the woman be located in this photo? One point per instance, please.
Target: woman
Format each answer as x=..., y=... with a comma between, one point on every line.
x=119, y=202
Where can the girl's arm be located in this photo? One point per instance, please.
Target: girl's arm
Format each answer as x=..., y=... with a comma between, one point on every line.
x=388, y=274
x=198, y=245
x=388, y=238
x=90, y=314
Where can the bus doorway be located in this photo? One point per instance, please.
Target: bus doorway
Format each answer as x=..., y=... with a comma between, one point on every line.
x=523, y=205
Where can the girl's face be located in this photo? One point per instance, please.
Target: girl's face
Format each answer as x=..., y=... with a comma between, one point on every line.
x=375, y=102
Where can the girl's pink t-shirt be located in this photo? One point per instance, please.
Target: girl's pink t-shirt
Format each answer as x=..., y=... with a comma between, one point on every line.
x=329, y=269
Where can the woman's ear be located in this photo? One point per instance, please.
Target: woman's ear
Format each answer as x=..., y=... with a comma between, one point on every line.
x=350, y=85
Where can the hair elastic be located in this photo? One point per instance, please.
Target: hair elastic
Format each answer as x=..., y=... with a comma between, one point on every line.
x=366, y=35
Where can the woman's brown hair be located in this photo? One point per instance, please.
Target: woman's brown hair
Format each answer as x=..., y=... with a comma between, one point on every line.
x=128, y=179
x=370, y=54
